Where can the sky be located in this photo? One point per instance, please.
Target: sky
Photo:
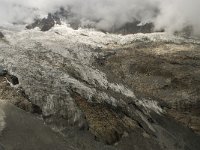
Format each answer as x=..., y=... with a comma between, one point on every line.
x=171, y=15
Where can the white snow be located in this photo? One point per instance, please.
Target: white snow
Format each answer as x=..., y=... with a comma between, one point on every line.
x=150, y=105
x=21, y=53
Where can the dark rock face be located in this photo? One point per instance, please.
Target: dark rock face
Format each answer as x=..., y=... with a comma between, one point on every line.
x=8, y=93
x=132, y=28
x=3, y=72
x=13, y=79
x=45, y=24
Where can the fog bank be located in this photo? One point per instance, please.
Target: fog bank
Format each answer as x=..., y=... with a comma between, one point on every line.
x=171, y=15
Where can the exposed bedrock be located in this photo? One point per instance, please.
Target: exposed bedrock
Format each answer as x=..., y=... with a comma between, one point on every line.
x=166, y=72
x=45, y=24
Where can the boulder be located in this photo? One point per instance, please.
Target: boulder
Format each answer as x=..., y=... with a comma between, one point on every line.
x=13, y=79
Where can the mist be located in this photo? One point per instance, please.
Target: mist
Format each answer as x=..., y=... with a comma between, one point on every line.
x=171, y=15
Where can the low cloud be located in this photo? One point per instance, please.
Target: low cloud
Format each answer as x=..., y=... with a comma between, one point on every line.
x=171, y=15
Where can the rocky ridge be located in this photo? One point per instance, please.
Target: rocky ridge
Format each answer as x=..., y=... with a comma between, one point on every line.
x=67, y=17
x=45, y=24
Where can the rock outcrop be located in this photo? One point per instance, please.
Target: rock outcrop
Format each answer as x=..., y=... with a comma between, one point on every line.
x=134, y=27
x=3, y=72
x=75, y=22
x=125, y=91
x=45, y=24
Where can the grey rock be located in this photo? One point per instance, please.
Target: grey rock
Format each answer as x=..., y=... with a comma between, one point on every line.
x=3, y=72
x=132, y=28
x=13, y=79
x=45, y=24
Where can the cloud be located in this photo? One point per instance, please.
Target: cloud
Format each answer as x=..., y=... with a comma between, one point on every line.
x=178, y=14
x=171, y=15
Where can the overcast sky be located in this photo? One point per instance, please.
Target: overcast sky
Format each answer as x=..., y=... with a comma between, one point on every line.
x=168, y=14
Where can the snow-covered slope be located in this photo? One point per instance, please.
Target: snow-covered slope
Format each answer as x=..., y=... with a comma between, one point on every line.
x=59, y=72
x=79, y=48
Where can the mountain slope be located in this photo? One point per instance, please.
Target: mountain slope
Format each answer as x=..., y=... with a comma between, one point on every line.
x=112, y=87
